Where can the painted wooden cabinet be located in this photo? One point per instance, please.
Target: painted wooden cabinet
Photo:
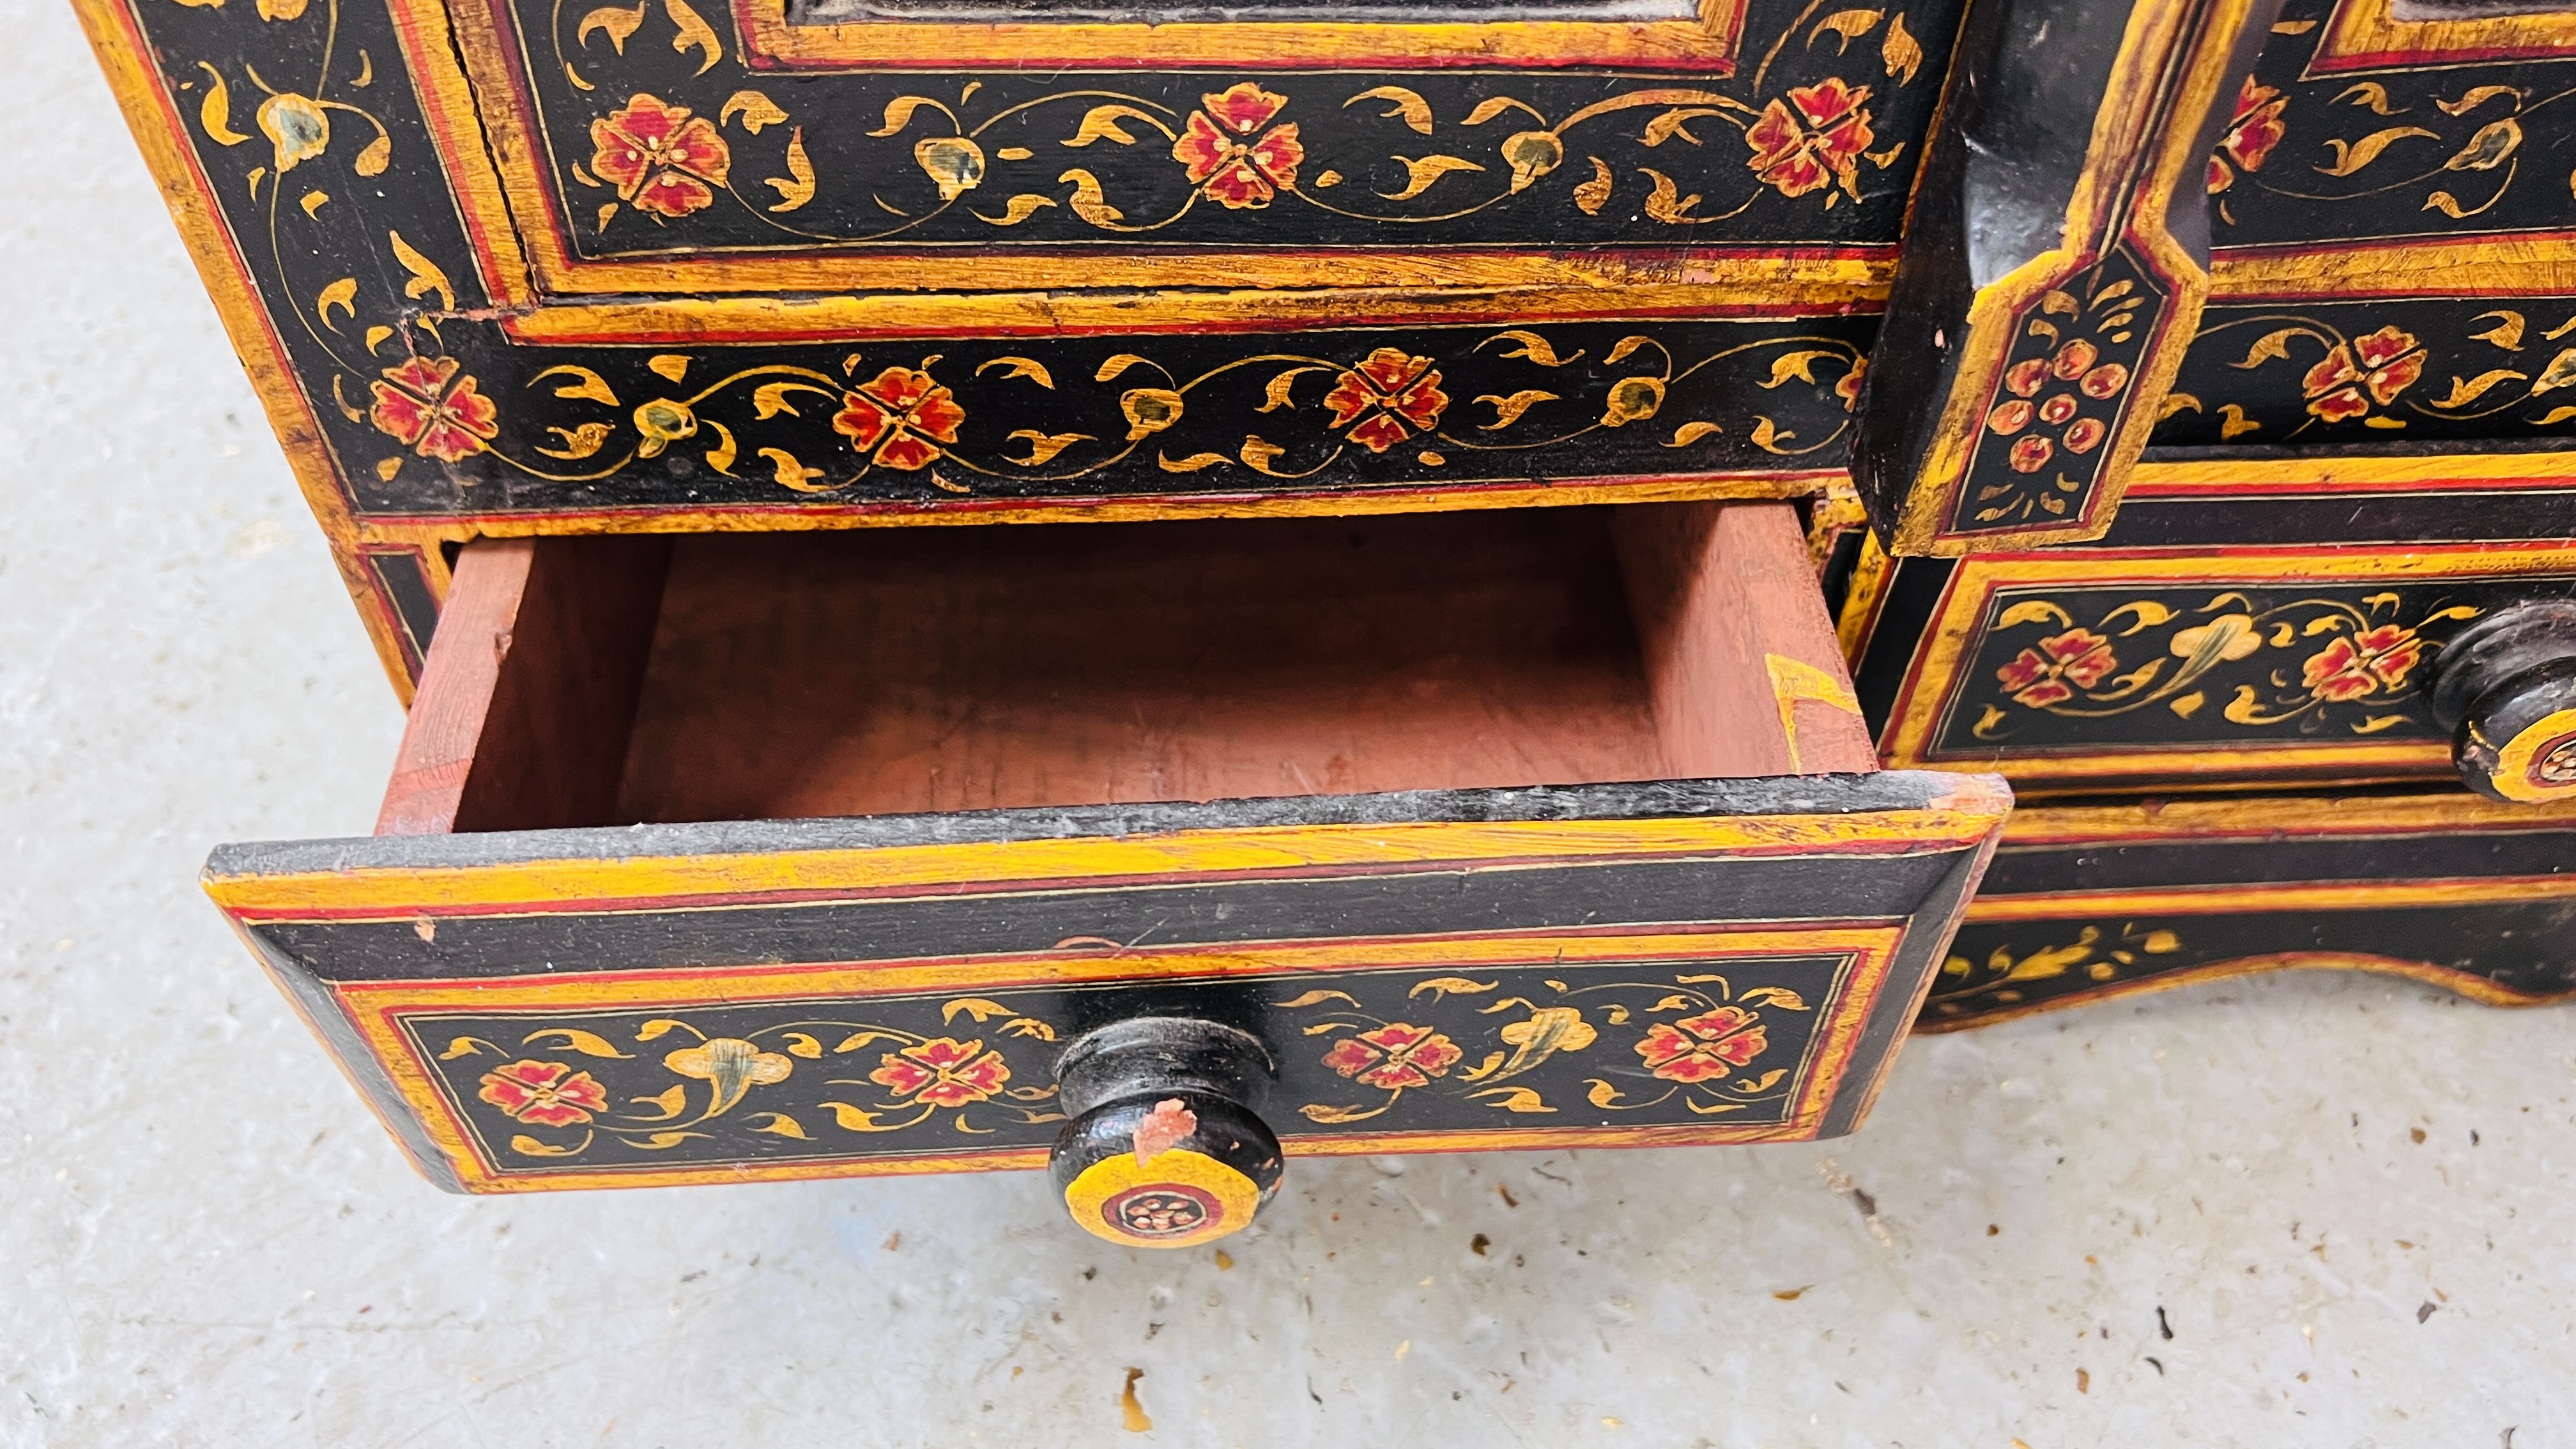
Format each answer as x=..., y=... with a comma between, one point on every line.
x=1545, y=539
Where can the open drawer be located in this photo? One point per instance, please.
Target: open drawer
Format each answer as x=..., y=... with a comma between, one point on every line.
x=1471, y=849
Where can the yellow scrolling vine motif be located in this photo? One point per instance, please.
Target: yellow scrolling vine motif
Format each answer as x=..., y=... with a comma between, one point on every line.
x=1701, y=1045
x=1240, y=149
x=2332, y=653
x=915, y=1078
x=902, y=418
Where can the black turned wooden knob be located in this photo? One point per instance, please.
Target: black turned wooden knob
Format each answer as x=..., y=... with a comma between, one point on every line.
x=2506, y=687
x=1162, y=1151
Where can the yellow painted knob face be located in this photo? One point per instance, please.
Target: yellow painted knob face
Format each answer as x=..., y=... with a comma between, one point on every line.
x=1179, y=1199
x=2539, y=764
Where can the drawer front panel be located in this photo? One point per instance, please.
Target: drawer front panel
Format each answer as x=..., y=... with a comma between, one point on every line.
x=1540, y=1039
x=1361, y=138
x=2183, y=652
x=832, y=997
x=802, y=433
x=2084, y=905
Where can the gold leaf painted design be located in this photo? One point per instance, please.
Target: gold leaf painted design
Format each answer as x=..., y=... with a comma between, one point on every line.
x=1689, y=433
x=571, y=1039
x=2468, y=390
x=1902, y=54
x=1513, y=1099
x=614, y=21
x=2488, y=149
x=1421, y=173
x=341, y=294
x=797, y=187
x=1401, y=102
x=1101, y=123
x=1089, y=201
x=1667, y=204
x=1044, y=446
x=584, y=383
x=1531, y=155
x=1028, y=367
x=695, y=34
x=1018, y=209
x=578, y=442
x=1768, y=435
x=1445, y=986
x=954, y=164
x=755, y=110
x=1508, y=410
x=779, y=1124
x=1846, y=26
x=1531, y=346
x=1549, y=1030
x=296, y=128
x=731, y=1067
x=2351, y=156
x=1592, y=195
x=1316, y=998
x=426, y=275
x=215, y=112
x=898, y=113
x=1795, y=364
x=792, y=474
x=2507, y=333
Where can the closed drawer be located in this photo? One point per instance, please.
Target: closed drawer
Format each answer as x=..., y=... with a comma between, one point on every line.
x=2087, y=903
x=2282, y=621
x=1484, y=826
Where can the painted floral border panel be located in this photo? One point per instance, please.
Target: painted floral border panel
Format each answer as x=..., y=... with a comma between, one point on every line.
x=2436, y=151
x=2206, y=663
x=660, y=137
x=1614, y=1044
x=948, y=420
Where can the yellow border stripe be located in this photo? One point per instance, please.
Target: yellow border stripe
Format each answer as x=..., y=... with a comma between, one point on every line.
x=1966, y=821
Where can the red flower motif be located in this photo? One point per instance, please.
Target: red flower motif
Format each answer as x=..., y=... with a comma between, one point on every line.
x=2086, y=435
x=2072, y=360
x=2389, y=364
x=2057, y=409
x=2251, y=134
x=659, y=157
x=1392, y=388
x=2038, y=677
x=2009, y=416
x=943, y=1072
x=2025, y=378
x=2351, y=668
x=2030, y=454
x=425, y=404
x=1801, y=150
x=549, y=1094
x=1701, y=1048
x=2105, y=381
x=1394, y=1056
x=898, y=412
x=1223, y=154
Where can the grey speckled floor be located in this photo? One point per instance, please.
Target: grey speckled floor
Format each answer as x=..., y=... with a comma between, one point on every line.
x=2307, y=1210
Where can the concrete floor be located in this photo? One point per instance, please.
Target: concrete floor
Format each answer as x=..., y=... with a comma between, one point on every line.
x=2303, y=1210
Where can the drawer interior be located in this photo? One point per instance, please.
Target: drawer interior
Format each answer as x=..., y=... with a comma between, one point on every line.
x=608, y=681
